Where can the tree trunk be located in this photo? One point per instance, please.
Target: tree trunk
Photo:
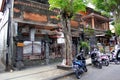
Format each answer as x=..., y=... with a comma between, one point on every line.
x=68, y=41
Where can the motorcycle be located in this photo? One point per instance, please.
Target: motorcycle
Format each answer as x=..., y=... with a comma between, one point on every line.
x=114, y=58
x=79, y=67
x=96, y=60
x=105, y=60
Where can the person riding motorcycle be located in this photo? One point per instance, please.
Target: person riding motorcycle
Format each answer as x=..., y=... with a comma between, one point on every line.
x=95, y=53
x=95, y=57
x=80, y=56
x=79, y=64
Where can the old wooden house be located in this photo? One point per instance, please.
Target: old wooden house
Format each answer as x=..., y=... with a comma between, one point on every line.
x=99, y=23
x=35, y=32
x=38, y=32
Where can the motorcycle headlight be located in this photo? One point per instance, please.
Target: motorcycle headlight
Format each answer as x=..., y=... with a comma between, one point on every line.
x=75, y=66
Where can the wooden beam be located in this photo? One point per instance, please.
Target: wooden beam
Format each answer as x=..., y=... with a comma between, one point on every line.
x=97, y=16
x=35, y=23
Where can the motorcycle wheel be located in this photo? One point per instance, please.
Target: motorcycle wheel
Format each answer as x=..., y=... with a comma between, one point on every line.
x=85, y=69
x=106, y=63
x=99, y=65
x=78, y=75
x=117, y=62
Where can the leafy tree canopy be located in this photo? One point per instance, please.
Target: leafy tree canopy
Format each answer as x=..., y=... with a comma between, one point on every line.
x=110, y=6
x=108, y=33
x=69, y=6
x=84, y=44
x=117, y=29
x=67, y=9
x=106, y=5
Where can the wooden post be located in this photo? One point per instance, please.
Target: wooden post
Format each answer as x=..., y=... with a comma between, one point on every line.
x=47, y=50
x=32, y=34
x=93, y=23
x=92, y=38
x=19, y=54
x=107, y=24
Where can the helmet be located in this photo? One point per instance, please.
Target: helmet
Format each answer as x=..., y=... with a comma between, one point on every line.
x=95, y=49
x=82, y=51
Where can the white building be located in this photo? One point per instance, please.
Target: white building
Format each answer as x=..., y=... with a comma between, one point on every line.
x=3, y=33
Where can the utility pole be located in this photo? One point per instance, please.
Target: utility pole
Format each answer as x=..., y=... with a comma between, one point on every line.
x=9, y=34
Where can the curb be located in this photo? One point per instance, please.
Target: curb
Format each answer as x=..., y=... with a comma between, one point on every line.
x=65, y=74
x=62, y=75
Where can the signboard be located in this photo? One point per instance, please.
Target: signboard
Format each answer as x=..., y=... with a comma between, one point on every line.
x=61, y=39
x=20, y=44
x=32, y=47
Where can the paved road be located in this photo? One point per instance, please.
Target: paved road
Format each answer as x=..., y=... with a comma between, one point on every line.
x=112, y=72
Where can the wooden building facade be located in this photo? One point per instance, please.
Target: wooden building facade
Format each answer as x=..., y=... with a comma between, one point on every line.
x=36, y=33
x=100, y=24
x=36, y=29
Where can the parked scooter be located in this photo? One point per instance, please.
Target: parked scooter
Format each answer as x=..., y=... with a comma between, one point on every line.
x=105, y=60
x=96, y=60
x=114, y=57
x=79, y=65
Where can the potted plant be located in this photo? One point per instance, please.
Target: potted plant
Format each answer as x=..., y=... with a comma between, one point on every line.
x=85, y=47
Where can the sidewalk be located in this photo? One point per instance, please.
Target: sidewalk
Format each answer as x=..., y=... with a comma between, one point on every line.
x=49, y=72
x=2, y=67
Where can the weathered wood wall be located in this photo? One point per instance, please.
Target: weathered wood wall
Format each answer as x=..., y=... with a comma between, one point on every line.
x=37, y=12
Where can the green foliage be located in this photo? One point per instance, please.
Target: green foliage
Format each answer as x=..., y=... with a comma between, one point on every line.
x=106, y=14
x=68, y=6
x=113, y=23
x=108, y=33
x=109, y=6
x=101, y=50
x=106, y=5
x=117, y=29
x=84, y=44
x=88, y=31
x=78, y=5
x=60, y=4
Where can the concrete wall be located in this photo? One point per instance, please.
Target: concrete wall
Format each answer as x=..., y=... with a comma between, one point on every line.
x=3, y=39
